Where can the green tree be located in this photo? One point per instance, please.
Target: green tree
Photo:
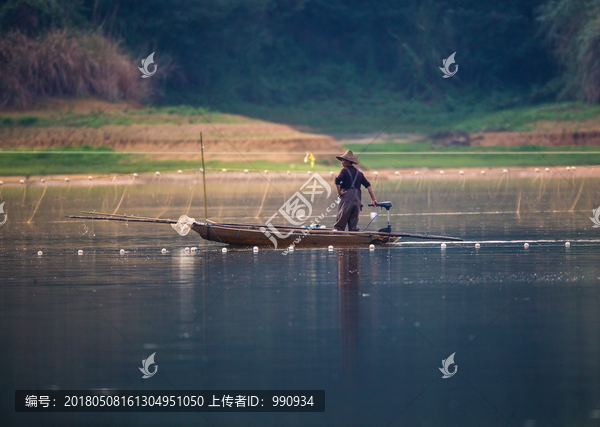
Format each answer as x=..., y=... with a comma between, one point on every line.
x=572, y=29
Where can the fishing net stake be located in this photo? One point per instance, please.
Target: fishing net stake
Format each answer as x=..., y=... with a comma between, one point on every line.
x=203, y=178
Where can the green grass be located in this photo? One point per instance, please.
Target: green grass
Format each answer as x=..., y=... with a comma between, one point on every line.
x=418, y=117
x=391, y=116
x=463, y=157
x=323, y=117
x=383, y=161
x=413, y=147
x=151, y=115
x=446, y=157
x=522, y=119
x=104, y=160
x=23, y=121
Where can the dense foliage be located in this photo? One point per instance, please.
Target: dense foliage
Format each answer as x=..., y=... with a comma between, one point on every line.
x=59, y=65
x=572, y=28
x=295, y=51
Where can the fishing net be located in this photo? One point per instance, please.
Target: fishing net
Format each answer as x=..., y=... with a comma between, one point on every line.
x=184, y=225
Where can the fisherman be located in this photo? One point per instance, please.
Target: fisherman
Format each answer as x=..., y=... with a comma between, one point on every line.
x=348, y=184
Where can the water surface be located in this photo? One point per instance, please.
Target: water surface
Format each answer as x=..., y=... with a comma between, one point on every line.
x=369, y=328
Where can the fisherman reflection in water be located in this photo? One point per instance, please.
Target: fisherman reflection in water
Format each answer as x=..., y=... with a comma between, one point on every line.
x=348, y=184
x=349, y=314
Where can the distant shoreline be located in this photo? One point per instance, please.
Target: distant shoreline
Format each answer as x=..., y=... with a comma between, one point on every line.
x=69, y=138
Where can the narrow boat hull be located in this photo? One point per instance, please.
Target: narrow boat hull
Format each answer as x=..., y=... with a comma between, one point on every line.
x=258, y=235
x=252, y=236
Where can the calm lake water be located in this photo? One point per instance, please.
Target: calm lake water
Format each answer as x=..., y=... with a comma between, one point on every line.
x=369, y=328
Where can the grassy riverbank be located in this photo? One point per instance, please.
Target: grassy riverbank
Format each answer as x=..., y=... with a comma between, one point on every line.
x=91, y=137
x=103, y=160
x=422, y=118
x=324, y=118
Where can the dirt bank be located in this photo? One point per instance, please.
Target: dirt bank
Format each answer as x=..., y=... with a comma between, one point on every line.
x=547, y=138
x=174, y=136
x=171, y=139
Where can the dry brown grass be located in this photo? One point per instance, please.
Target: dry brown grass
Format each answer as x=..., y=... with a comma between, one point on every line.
x=223, y=138
x=60, y=64
x=549, y=139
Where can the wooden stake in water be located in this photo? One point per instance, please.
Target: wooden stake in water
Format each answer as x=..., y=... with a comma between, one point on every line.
x=203, y=178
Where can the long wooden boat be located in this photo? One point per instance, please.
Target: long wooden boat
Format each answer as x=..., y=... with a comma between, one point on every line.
x=251, y=235
x=248, y=235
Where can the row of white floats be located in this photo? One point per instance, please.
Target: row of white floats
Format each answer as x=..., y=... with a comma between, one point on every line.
x=568, y=168
x=290, y=249
x=525, y=245
x=135, y=175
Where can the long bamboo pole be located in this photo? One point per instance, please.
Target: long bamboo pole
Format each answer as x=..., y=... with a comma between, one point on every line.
x=250, y=227
x=128, y=219
x=203, y=178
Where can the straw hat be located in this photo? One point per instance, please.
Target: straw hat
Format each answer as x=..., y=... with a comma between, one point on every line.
x=348, y=155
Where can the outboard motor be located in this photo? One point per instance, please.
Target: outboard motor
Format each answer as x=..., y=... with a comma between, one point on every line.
x=387, y=206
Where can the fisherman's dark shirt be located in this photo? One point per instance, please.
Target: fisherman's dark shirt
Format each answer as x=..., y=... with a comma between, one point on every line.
x=344, y=180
